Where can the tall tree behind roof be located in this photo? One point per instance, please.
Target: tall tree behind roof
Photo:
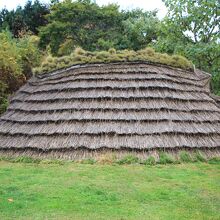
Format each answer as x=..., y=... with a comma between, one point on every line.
x=95, y=27
x=29, y=18
x=192, y=29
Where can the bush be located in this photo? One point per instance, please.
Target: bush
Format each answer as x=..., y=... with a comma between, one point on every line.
x=29, y=53
x=17, y=57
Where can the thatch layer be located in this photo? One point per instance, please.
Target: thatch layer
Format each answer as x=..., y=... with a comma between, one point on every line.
x=120, y=104
x=104, y=155
x=111, y=141
x=128, y=106
x=110, y=115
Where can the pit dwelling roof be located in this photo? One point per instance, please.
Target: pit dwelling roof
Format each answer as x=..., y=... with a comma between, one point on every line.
x=115, y=106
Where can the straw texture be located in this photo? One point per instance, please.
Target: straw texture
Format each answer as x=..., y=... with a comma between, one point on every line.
x=121, y=106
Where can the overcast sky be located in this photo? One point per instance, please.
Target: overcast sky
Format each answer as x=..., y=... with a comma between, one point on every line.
x=125, y=4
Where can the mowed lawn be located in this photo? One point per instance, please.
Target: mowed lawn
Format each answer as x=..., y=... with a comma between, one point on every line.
x=84, y=191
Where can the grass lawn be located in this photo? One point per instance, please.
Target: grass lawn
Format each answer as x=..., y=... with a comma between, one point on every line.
x=84, y=191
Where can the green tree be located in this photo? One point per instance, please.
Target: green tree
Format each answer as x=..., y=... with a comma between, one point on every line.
x=34, y=15
x=197, y=20
x=139, y=28
x=17, y=57
x=84, y=22
x=29, y=18
x=191, y=28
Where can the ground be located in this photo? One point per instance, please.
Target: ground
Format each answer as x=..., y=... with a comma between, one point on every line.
x=85, y=191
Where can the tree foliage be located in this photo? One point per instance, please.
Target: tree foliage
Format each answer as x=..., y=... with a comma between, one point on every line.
x=26, y=19
x=84, y=22
x=197, y=20
x=191, y=29
x=92, y=27
x=139, y=28
x=17, y=56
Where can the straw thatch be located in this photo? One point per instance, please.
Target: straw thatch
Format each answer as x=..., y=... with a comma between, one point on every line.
x=123, y=107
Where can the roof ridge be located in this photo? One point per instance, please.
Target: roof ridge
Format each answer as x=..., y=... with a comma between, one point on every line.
x=83, y=65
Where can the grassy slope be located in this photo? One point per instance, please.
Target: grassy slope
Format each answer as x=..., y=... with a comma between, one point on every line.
x=83, y=191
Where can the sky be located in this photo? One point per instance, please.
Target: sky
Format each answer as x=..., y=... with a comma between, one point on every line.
x=124, y=4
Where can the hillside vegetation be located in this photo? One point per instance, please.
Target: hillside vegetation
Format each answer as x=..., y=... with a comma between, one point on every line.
x=80, y=56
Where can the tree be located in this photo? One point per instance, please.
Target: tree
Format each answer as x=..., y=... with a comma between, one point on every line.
x=192, y=29
x=140, y=28
x=197, y=20
x=34, y=15
x=26, y=19
x=83, y=22
x=17, y=57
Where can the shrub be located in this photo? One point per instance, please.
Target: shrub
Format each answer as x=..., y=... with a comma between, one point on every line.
x=3, y=97
x=17, y=57
x=29, y=53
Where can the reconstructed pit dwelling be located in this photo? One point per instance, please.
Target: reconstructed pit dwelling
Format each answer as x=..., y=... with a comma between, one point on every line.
x=87, y=110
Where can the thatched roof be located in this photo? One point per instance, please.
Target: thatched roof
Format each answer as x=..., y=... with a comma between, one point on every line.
x=117, y=106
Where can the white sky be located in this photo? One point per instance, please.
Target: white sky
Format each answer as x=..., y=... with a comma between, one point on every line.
x=125, y=4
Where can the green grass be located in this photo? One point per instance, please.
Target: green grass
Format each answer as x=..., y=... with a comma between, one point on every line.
x=150, y=161
x=185, y=157
x=93, y=191
x=130, y=159
x=165, y=158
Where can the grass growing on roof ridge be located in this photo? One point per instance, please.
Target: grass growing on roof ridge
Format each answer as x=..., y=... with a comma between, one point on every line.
x=80, y=56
